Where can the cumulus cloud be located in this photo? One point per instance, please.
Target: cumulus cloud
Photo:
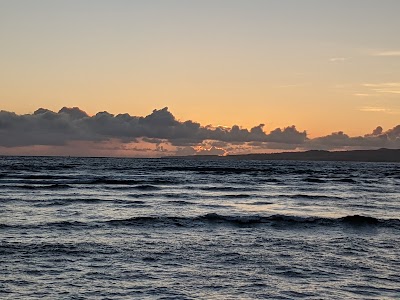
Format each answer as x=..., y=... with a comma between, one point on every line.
x=45, y=127
x=160, y=133
x=288, y=135
x=377, y=131
x=377, y=139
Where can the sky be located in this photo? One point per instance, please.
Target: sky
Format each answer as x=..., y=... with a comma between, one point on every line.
x=326, y=72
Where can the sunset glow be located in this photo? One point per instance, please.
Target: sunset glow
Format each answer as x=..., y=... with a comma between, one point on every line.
x=322, y=66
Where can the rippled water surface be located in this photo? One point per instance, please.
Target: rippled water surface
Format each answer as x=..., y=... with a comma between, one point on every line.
x=108, y=228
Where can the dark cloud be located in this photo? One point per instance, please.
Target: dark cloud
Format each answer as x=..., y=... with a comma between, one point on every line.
x=74, y=112
x=219, y=144
x=45, y=127
x=161, y=128
x=185, y=151
x=289, y=135
x=392, y=134
x=377, y=131
x=154, y=141
x=377, y=139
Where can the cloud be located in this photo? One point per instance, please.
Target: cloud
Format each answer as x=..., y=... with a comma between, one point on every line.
x=74, y=113
x=373, y=109
x=211, y=151
x=379, y=110
x=377, y=131
x=387, y=53
x=380, y=85
x=200, y=150
x=289, y=135
x=338, y=59
x=45, y=127
x=185, y=151
x=385, y=87
x=363, y=95
x=387, y=91
x=377, y=139
x=160, y=133
x=293, y=85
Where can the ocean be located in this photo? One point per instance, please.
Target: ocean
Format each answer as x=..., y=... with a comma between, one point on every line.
x=121, y=228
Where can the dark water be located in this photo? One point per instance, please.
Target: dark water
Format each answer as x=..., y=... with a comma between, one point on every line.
x=99, y=228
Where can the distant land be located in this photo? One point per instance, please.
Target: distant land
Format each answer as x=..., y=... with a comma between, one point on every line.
x=380, y=155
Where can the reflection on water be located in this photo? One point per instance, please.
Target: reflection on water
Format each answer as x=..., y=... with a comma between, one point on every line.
x=184, y=229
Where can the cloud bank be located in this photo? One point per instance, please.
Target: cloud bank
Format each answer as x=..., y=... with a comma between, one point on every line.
x=164, y=134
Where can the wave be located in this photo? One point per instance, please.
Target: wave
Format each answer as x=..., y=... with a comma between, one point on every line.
x=141, y=187
x=259, y=203
x=268, y=180
x=166, y=181
x=289, y=196
x=255, y=220
x=283, y=221
x=176, y=195
x=314, y=180
x=354, y=220
x=67, y=224
x=143, y=195
x=157, y=181
x=226, y=189
x=146, y=187
x=69, y=201
x=135, y=202
x=180, y=202
x=43, y=187
x=114, y=181
x=325, y=180
x=73, y=201
x=308, y=196
x=346, y=180
x=237, y=196
x=75, y=248
x=130, y=203
x=218, y=170
x=149, y=220
x=40, y=177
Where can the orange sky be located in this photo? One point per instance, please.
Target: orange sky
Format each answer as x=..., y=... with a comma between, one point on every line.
x=319, y=65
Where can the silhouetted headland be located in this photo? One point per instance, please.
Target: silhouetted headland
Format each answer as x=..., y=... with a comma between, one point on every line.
x=380, y=155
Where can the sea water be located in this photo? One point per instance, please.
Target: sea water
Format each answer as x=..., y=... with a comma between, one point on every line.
x=119, y=228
